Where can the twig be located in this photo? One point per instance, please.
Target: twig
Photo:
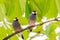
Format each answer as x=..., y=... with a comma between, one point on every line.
x=6, y=38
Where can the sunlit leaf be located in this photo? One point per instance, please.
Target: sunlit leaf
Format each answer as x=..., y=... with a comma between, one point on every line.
x=58, y=5
x=56, y=23
x=2, y=11
x=2, y=1
x=23, y=6
x=13, y=9
x=59, y=35
x=14, y=38
x=39, y=28
x=50, y=31
x=25, y=34
x=53, y=12
x=23, y=21
x=2, y=33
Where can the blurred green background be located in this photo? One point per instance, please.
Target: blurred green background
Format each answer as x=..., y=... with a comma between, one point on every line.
x=9, y=9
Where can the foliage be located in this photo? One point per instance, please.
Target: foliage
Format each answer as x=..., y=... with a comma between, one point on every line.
x=10, y=9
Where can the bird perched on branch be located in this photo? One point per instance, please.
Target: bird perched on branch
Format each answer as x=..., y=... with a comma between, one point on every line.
x=32, y=19
x=17, y=26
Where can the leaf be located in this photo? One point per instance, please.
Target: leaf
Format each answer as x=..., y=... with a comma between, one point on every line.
x=2, y=11
x=58, y=5
x=59, y=35
x=23, y=6
x=2, y=33
x=56, y=23
x=14, y=38
x=52, y=36
x=27, y=9
x=50, y=32
x=23, y=21
x=25, y=34
x=2, y=1
x=44, y=5
x=38, y=28
x=13, y=9
x=53, y=12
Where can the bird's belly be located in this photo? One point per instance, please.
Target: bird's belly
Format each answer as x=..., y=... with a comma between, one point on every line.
x=17, y=28
x=31, y=22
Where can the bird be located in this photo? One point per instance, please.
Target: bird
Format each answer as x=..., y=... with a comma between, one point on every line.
x=32, y=19
x=17, y=26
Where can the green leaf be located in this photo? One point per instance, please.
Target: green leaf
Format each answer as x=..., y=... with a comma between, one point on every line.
x=53, y=12
x=58, y=35
x=23, y=21
x=50, y=32
x=14, y=38
x=27, y=9
x=25, y=34
x=52, y=36
x=39, y=28
x=43, y=6
x=58, y=23
x=2, y=1
x=13, y=9
x=2, y=11
x=2, y=33
x=58, y=5
x=23, y=6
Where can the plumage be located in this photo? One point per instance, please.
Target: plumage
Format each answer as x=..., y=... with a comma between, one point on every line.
x=32, y=19
x=16, y=25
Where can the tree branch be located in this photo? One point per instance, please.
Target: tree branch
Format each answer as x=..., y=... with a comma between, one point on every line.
x=6, y=38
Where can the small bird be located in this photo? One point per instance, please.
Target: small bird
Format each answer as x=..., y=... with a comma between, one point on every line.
x=32, y=19
x=16, y=25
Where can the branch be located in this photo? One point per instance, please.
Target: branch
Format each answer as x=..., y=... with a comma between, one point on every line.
x=6, y=38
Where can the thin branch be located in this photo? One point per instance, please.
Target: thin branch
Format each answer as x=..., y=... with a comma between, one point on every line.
x=6, y=38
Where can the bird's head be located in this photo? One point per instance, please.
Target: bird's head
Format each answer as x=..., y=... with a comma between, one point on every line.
x=16, y=19
x=34, y=12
